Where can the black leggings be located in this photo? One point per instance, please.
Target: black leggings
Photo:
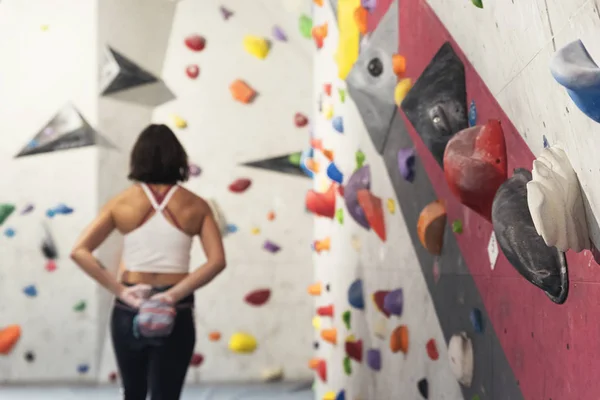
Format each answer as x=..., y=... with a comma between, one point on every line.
x=156, y=364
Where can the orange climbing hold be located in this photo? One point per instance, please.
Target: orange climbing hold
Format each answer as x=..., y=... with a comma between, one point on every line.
x=214, y=336
x=271, y=215
x=431, y=225
x=373, y=210
x=318, y=2
x=360, y=17
x=378, y=300
x=9, y=337
x=326, y=311
x=328, y=154
x=322, y=245
x=315, y=289
x=242, y=92
x=312, y=165
x=316, y=144
x=327, y=89
x=322, y=204
x=399, y=339
x=399, y=65
x=329, y=335
x=319, y=33
x=320, y=367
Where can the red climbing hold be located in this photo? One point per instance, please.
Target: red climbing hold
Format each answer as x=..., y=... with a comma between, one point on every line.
x=192, y=71
x=197, y=359
x=354, y=349
x=325, y=311
x=50, y=266
x=373, y=210
x=322, y=204
x=300, y=120
x=341, y=190
x=258, y=297
x=195, y=42
x=112, y=376
x=475, y=166
x=321, y=369
x=432, y=350
x=240, y=185
x=379, y=300
x=327, y=89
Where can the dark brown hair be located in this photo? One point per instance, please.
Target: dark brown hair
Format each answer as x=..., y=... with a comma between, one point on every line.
x=158, y=157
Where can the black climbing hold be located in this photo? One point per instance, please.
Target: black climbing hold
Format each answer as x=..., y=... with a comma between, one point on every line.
x=316, y=345
x=29, y=356
x=423, y=386
x=327, y=287
x=375, y=67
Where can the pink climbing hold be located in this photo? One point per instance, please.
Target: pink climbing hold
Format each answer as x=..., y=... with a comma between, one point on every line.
x=240, y=185
x=258, y=297
x=50, y=266
x=195, y=42
x=192, y=71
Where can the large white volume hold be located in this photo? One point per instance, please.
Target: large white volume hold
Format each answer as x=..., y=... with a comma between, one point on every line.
x=556, y=202
x=460, y=354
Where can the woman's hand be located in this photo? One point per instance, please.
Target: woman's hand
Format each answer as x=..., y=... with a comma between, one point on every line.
x=164, y=297
x=133, y=296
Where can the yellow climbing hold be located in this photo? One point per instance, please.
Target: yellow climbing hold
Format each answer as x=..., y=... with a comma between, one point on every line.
x=391, y=205
x=44, y=28
x=329, y=396
x=328, y=111
x=356, y=243
x=324, y=184
x=316, y=322
x=179, y=122
x=255, y=231
x=380, y=328
x=242, y=343
x=402, y=89
x=349, y=37
x=256, y=46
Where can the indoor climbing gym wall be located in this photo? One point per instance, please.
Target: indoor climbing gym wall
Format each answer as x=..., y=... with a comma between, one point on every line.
x=456, y=213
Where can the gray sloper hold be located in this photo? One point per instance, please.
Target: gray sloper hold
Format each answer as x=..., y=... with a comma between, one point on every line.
x=372, y=80
x=545, y=267
x=436, y=105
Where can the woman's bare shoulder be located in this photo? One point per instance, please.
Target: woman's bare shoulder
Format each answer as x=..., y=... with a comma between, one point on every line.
x=193, y=200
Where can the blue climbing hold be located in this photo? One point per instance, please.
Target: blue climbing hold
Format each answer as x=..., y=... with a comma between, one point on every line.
x=334, y=173
x=304, y=157
x=338, y=124
x=472, y=114
x=83, y=368
x=546, y=144
x=355, y=295
x=231, y=228
x=50, y=213
x=9, y=232
x=30, y=291
x=341, y=395
x=63, y=209
x=477, y=320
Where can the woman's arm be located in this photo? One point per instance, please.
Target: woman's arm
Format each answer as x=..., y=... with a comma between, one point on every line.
x=91, y=238
x=210, y=237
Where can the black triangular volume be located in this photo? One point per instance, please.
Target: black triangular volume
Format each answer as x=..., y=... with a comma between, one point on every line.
x=279, y=164
x=130, y=75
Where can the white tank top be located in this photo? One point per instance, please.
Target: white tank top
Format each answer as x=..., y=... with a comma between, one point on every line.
x=157, y=246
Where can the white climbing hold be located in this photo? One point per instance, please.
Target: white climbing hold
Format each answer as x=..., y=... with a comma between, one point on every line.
x=460, y=354
x=380, y=328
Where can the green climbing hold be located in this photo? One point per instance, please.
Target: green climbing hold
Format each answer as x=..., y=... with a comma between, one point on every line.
x=347, y=365
x=476, y=397
x=339, y=216
x=457, y=226
x=346, y=318
x=294, y=159
x=5, y=211
x=342, y=94
x=360, y=159
x=306, y=25
x=79, y=307
x=477, y=3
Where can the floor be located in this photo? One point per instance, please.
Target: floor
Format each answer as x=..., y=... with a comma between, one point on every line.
x=285, y=391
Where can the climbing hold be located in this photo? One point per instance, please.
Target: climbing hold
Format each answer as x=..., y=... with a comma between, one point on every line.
x=328, y=287
x=342, y=94
x=232, y=228
x=83, y=368
x=319, y=33
x=341, y=395
x=322, y=245
x=258, y=297
x=329, y=335
x=327, y=89
x=112, y=377
x=339, y=216
x=401, y=90
x=477, y=3
x=431, y=225
x=178, y=121
x=328, y=111
x=326, y=311
x=9, y=232
x=242, y=343
x=329, y=396
x=334, y=173
x=316, y=345
x=214, y=336
x=242, y=92
x=196, y=360
x=476, y=320
x=545, y=142
x=346, y=316
x=457, y=226
x=300, y=120
x=556, y=203
x=369, y=4
x=423, y=387
x=372, y=208
x=256, y=46
x=240, y=185
x=322, y=204
x=406, y=163
x=271, y=215
x=393, y=302
x=359, y=180
x=391, y=206
x=360, y=17
x=399, y=65
x=472, y=114
x=279, y=34
x=378, y=299
x=225, y=13
x=354, y=349
x=432, y=350
x=475, y=165
x=320, y=367
x=305, y=25
x=194, y=169
x=460, y=353
x=44, y=28
x=355, y=295
x=9, y=336
x=192, y=71
x=313, y=362
x=50, y=266
x=272, y=374
x=360, y=159
x=374, y=359
x=80, y=306
x=318, y=2
x=255, y=231
x=30, y=291
x=195, y=42
x=399, y=339
x=380, y=328
x=26, y=210
x=271, y=247
x=338, y=124
x=347, y=365
x=62, y=209
x=315, y=289
x=316, y=322
x=29, y=357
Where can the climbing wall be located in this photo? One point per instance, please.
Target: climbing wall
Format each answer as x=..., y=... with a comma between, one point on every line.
x=469, y=109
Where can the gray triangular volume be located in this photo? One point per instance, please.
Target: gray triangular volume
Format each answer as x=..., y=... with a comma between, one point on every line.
x=334, y=7
x=279, y=164
x=119, y=73
x=67, y=130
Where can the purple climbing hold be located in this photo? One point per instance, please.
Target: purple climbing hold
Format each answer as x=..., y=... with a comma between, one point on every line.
x=374, y=359
x=545, y=142
x=369, y=4
x=271, y=247
x=226, y=13
x=28, y=208
x=360, y=179
x=406, y=163
x=279, y=34
x=194, y=170
x=393, y=302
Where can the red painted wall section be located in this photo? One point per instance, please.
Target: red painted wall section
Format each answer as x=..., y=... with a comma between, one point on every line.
x=552, y=349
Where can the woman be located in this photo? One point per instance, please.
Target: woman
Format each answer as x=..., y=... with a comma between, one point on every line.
x=158, y=220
